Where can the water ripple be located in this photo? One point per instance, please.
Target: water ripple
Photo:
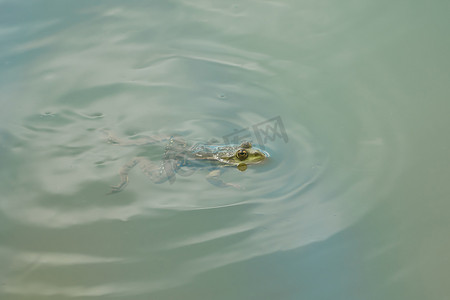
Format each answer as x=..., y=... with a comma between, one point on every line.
x=127, y=70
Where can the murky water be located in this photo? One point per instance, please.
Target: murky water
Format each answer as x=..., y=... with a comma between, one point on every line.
x=351, y=100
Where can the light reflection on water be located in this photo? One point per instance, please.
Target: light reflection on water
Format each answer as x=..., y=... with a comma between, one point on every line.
x=199, y=70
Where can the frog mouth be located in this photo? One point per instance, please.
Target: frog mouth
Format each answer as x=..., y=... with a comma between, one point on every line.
x=266, y=154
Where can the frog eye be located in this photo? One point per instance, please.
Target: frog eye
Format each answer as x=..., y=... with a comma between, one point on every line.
x=241, y=154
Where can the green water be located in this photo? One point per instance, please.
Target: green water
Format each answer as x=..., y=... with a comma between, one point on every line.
x=353, y=205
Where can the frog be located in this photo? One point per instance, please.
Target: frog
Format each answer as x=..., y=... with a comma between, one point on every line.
x=183, y=159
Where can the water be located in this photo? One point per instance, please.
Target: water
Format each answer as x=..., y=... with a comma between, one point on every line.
x=351, y=206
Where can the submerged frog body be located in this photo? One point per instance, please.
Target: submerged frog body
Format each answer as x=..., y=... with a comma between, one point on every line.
x=184, y=160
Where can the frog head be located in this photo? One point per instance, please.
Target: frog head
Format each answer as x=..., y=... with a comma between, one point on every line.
x=245, y=155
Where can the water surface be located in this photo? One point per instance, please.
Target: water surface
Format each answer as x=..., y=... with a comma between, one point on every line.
x=352, y=204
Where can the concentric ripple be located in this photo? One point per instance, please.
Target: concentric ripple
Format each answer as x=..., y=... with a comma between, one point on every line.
x=205, y=74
